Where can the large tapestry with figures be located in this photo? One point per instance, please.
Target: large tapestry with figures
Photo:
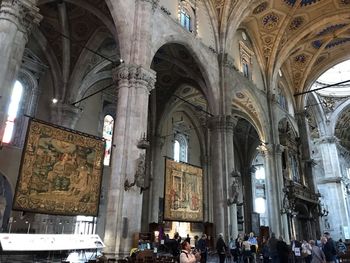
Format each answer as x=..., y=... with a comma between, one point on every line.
x=60, y=171
x=183, y=193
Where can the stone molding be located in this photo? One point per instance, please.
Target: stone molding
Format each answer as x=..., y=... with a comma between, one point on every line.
x=134, y=75
x=222, y=123
x=23, y=13
x=154, y=3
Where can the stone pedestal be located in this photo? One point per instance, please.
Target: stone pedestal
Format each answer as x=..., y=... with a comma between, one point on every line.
x=124, y=207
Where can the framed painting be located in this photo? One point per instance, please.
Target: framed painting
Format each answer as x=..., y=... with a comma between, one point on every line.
x=183, y=193
x=60, y=172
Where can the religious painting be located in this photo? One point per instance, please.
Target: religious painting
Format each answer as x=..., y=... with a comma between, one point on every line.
x=61, y=171
x=183, y=195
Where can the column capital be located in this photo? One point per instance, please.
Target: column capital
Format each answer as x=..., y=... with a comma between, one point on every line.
x=23, y=13
x=154, y=3
x=134, y=75
x=270, y=149
x=222, y=122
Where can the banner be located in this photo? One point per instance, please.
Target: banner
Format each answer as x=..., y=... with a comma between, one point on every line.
x=60, y=171
x=183, y=195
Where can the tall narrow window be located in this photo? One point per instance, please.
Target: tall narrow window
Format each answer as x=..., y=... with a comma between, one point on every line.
x=180, y=148
x=12, y=111
x=185, y=20
x=108, y=124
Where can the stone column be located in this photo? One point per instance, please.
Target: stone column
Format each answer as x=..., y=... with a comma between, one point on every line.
x=274, y=185
x=124, y=207
x=331, y=189
x=16, y=20
x=222, y=165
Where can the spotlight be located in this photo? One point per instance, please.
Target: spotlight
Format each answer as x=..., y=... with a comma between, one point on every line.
x=54, y=100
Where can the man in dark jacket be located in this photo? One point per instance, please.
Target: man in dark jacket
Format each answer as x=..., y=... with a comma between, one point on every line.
x=221, y=248
x=329, y=249
x=202, y=248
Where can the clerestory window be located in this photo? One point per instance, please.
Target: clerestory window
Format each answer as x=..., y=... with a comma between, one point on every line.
x=108, y=125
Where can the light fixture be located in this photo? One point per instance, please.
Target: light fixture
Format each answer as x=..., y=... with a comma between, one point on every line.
x=54, y=100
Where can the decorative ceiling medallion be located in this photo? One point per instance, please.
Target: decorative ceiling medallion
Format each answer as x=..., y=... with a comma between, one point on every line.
x=270, y=21
x=296, y=23
x=260, y=8
x=344, y=2
x=300, y=60
x=240, y=95
x=317, y=44
x=331, y=29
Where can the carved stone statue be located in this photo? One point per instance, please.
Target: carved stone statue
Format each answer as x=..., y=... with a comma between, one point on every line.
x=140, y=173
x=233, y=192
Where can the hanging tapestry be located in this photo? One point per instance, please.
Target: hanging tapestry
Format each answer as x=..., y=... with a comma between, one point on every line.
x=183, y=193
x=61, y=171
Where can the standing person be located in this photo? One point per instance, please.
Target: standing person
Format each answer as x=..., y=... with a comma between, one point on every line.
x=296, y=249
x=221, y=248
x=202, y=248
x=265, y=250
x=186, y=255
x=232, y=248
x=272, y=244
x=329, y=249
x=317, y=253
x=283, y=250
x=188, y=239
x=253, y=245
x=306, y=251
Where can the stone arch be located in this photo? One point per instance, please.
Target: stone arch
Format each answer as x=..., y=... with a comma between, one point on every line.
x=202, y=60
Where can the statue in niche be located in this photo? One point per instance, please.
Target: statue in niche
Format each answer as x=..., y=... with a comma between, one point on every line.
x=233, y=192
x=139, y=177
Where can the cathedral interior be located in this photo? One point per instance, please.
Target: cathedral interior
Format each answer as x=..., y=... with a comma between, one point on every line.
x=235, y=92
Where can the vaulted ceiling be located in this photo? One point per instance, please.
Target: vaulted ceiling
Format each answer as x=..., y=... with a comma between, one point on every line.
x=301, y=37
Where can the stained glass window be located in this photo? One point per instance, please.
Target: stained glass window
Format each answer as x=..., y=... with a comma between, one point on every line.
x=12, y=111
x=180, y=148
x=108, y=124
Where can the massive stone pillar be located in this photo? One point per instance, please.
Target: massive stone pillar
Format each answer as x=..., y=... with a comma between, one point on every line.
x=274, y=185
x=222, y=165
x=124, y=207
x=16, y=20
x=331, y=189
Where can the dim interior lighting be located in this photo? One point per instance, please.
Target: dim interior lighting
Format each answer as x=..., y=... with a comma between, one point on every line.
x=54, y=100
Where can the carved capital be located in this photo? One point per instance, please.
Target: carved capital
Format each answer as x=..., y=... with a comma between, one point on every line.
x=270, y=149
x=23, y=13
x=133, y=75
x=222, y=123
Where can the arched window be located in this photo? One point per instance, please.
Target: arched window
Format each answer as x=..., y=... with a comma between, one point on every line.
x=16, y=97
x=281, y=99
x=185, y=19
x=180, y=148
x=108, y=124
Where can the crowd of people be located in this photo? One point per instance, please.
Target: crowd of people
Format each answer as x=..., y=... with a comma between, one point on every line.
x=248, y=249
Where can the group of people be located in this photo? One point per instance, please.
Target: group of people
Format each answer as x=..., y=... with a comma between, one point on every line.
x=247, y=249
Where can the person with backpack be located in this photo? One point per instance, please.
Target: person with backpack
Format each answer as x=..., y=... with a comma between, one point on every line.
x=186, y=255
